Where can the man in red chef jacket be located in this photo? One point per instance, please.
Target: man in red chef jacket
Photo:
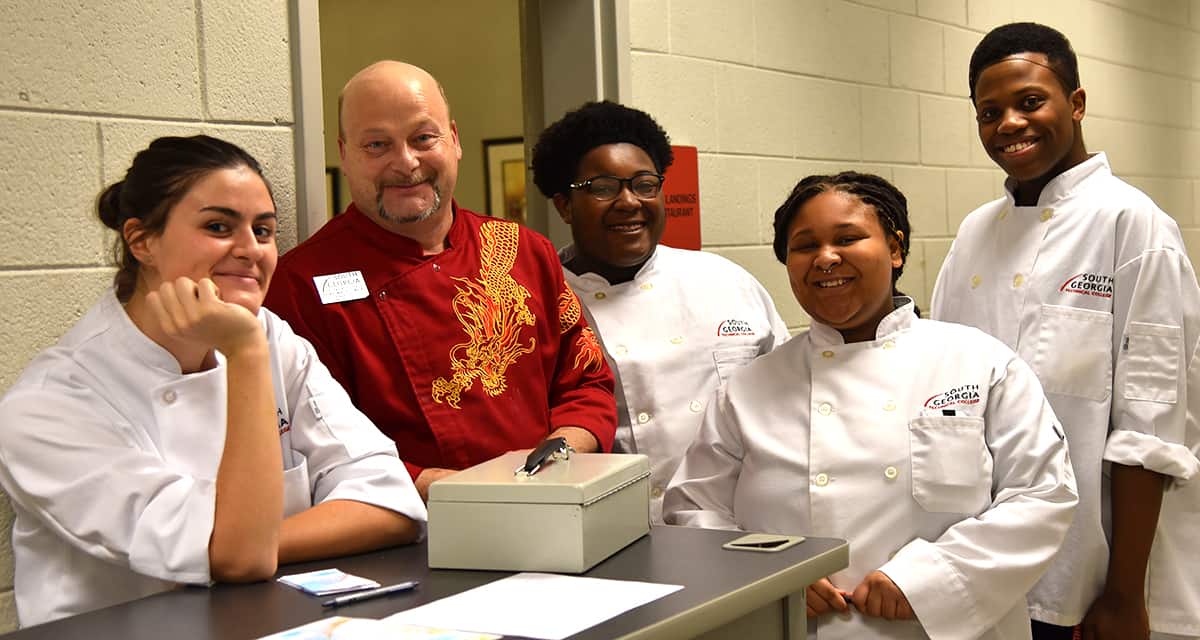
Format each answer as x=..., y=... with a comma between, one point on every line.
x=454, y=332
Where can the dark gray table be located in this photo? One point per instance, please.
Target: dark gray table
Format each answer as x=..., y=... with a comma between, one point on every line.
x=720, y=587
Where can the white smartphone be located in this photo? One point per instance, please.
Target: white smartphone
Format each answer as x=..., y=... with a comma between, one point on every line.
x=768, y=542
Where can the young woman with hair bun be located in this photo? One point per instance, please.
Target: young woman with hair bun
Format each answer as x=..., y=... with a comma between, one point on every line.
x=181, y=433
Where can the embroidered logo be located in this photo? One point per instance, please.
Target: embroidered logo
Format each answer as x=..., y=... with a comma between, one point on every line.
x=492, y=311
x=960, y=396
x=1089, y=284
x=734, y=327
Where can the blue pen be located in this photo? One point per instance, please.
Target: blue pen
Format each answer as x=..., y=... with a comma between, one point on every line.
x=368, y=595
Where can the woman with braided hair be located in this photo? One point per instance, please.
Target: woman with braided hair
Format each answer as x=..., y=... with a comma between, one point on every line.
x=928, y=446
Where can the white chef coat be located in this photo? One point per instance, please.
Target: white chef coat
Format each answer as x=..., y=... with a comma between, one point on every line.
x=930, y=449
x=671, y=336
x=1093, y=287
x=110, y=456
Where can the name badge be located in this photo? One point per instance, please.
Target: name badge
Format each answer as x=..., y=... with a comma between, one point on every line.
x=341, y=287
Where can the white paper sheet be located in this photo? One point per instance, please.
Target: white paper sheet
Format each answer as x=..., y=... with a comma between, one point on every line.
x=343, y=628
x=535, y=605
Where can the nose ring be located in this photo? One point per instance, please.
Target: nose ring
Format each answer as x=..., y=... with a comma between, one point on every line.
x=823, y=269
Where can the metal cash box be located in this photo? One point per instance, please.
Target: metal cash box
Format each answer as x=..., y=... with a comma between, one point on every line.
x=565, y=518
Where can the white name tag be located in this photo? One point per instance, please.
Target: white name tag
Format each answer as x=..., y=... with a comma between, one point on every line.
x=340, y=287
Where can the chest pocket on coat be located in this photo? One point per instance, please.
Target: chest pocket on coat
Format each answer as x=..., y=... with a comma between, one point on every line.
x=1072, y=352
x=297, y=493
x=731, y=359
x=951, y=465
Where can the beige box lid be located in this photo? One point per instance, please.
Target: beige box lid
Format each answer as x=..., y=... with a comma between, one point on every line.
x=582, y=479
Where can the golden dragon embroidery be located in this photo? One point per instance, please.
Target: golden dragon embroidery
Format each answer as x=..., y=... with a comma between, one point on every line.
x=568, y=309
x=588, y=353
x=492, y=311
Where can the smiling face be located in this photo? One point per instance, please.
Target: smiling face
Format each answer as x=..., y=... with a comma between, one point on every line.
x=613, y=237
x=223, y=229
x=399, y=147
x=840, y=264
x=1028, y=124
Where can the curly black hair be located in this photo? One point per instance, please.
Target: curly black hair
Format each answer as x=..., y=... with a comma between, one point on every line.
x=889, y=203
x=1026, y=37
x=563, y=144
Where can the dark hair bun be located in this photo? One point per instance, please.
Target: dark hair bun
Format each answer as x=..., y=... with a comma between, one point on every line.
x=108, y=206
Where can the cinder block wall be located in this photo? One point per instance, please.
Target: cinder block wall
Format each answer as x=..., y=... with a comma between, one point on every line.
x=83, y=87
x=773, y=90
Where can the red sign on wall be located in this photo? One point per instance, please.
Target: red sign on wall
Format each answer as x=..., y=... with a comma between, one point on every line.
x=681, y=192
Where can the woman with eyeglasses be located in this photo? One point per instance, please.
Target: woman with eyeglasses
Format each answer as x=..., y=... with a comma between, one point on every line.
x=674, y=323
x=180, y=432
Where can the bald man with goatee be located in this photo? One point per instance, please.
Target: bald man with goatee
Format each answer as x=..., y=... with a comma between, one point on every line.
x=454, y=332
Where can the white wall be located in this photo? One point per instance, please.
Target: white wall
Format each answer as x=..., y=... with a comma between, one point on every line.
x=84, y=86
x=772, y=90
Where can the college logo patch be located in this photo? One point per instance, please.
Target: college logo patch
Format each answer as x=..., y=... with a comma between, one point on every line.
x=960, y=396
x=1089, y=284
x=735, y=328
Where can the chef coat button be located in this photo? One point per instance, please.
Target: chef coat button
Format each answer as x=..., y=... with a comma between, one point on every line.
x=646, y=286
x=821, y=479
x=621, y=350
x=1047, y=213
x=890, y=473
x=696, y=406
x=643, y=418
x=169, y=396
x=436, y=267
x=976, y=281
x=889, y=345
x=656, y=492
x=1003, y=214
x=826, y=354
x=1018, y=280
x=890, y=406
x=677, y=340
x=825, y=409
x=600, y=295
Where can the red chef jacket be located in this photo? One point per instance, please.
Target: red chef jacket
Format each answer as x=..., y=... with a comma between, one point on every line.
x=459, y=356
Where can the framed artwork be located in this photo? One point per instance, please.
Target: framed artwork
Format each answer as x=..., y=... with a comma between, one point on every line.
x=504, y=178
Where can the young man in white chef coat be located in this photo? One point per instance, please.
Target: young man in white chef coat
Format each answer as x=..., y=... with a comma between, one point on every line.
x=1089, y=281
x=673, y=323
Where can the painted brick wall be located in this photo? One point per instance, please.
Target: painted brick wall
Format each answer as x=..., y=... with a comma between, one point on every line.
x=84, y=86
x=772, y=90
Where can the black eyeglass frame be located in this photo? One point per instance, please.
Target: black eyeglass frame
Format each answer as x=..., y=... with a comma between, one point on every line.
x=622, y=183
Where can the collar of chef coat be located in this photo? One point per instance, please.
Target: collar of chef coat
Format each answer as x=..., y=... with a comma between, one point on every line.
x=901, y=318
x=590, y=279
x=1065, y=183
x=138, y=344
x=400, y=246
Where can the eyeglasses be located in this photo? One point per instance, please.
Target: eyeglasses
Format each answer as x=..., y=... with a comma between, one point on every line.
x=644, y=186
